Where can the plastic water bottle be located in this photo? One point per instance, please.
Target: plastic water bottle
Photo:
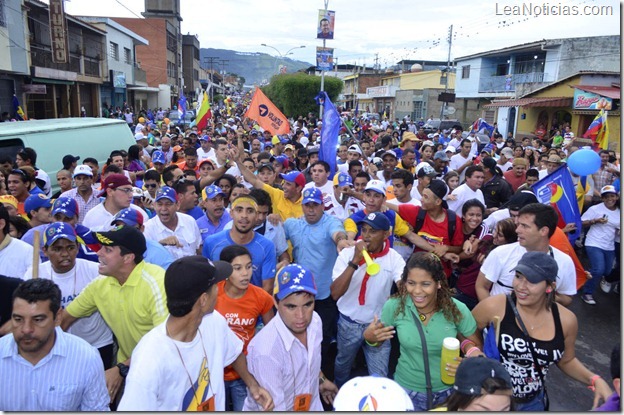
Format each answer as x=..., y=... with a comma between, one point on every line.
x=450, y=350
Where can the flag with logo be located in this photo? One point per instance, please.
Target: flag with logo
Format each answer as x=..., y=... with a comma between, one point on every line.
x=17, y=110
x=558, y=189
x=481, y=124
x=182, y=108
x=598, y=131
x=265, y=113
x=204, y=113
x=329, y=132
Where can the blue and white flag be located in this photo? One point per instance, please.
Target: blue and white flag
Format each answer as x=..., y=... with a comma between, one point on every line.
x=182, y=108
x=329, y=132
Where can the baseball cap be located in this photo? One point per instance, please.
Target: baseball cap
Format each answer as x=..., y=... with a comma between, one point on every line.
x=507, y=152
x=473, y=372
x=537, y=267
x=176, y=148
x=212, y=191
x=166, y=192
x=375, y=186
x=372, y=393
x=206, y=161
x=82, y=169
x=289, y=147
x=439, y=188
x=312, y=194
x=128, y=216
x=65, y=205
x=440, y=155
x=428, y=143
x=302, y=152
x=294, y=177
x=520, y=161
x=277, y=139
x=554, y=159
x=608, y=189
x=426, y=170
x=69, y=159
x=521, y=199
x=314, y=150
x=266, y=165
x=282, y=159
x=127, y=236
x=490, y=164
x=137, y=192
x=294, y=278
x=342, y=180
x=187, y=278
x=9, y=200
x=34, y=202
x=376, y=220
x=58, y=230
x=139, y=136
x=158, y=157
x=451, y=149
x=355, y=148
x=204, y=138
x=113, y=181
x=389, y=153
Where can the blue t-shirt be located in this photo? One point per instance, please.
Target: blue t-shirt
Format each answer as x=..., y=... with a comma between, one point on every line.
x=196, y=212
x=314, y=248
x=207, y=228
x=262, y=252
x=157, y=254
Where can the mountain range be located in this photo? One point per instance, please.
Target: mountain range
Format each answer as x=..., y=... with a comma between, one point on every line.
x=255, y=67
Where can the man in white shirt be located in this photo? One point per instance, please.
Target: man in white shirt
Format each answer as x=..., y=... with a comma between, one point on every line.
x=471, y=189
x=83, y=192
x=178, y=232
x=320, y=180
x=205, y=151
x=536, y=224
x=463, y=159
x=118, y=193
x=504, y=160
x=15, y=255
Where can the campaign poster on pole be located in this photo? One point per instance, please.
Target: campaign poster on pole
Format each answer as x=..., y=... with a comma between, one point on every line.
x=325, y=28
x=324, y=59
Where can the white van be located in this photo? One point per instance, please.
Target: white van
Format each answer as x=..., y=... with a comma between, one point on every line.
x=53, y=139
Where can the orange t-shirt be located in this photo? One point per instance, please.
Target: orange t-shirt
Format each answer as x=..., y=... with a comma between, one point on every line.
x=242, y=314
x=560, y=241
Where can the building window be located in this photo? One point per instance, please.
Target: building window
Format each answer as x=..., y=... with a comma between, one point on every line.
x=195, y=75
x=418, y=110
x=127, y=56
x=172, y=45
x=466, y=72
x=113, y=50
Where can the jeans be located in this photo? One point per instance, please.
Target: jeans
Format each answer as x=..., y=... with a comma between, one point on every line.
x=419, y=399
x=328, y=312
x=535, y=404
x=350, y=339
x=235, y=394
x=601, y=262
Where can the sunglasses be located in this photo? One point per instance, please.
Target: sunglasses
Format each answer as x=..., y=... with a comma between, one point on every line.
x=151, y=186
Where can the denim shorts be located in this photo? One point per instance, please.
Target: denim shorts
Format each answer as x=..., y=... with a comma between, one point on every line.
x=419, y=399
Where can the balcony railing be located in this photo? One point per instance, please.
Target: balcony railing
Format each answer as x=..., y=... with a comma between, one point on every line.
x=502, y=84
x=42, y=57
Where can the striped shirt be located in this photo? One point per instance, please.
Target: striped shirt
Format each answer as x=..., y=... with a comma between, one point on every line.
x=83, y=206
x=131, y=309
x=69, y=378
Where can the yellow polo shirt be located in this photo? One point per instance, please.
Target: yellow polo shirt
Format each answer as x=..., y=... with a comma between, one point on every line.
x=130, y=310
x=284, y=207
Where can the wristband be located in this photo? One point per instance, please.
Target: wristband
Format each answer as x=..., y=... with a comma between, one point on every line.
x=592, y=381
x=353, y=265
x=464, y=343
x=371, y=344
x=473, y=348
x=322, y=379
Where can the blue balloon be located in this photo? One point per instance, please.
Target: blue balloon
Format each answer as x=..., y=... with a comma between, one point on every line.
x=584, y=162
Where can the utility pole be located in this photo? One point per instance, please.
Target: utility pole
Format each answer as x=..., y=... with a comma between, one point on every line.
x=211, y=60
x=223, y=63
x=323, y=72
x=448, y=68
x=376, y=62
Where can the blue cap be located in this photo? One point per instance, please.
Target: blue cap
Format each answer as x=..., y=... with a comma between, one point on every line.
x=212, y=191
x=34, y=202
x=166, y=192
x=294, y=278
x=377, y=220
x=158, y=157
x=312, y=194
x=204, y=138
x=58, y=230
x=129, y=216
x=281, y=159
x=294, y=177
x=344, y=180
x=65, y=205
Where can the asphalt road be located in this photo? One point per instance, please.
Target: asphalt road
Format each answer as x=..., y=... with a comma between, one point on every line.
x=599, y=331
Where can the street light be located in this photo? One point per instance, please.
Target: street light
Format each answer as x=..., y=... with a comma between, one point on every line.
x=280, y=54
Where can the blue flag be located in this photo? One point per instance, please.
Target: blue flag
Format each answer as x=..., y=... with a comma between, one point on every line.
x=558, y=189
x=490, y=349
x=329, y=132
x=182, y=108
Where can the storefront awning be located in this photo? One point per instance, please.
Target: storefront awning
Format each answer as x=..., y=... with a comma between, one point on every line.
x=605, y=91
x=532, y=102
x=51, y=81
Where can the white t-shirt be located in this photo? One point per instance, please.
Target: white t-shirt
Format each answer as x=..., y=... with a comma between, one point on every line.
x=92, y=329
x=186, y=231
x=203, y=155
x=99, y=219
x=456, y=162
x=463, y=194
x=15, y=258
x=332, y=206
x=602, y=235
x=415, y=194
x=499, y=265
x=504, y=167
x=412, y=201
x=495, y=217
x=160, y=368
x=353, y=205
x=377, y=287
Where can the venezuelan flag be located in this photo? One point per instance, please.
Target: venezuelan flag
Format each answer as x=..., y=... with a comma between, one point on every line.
x=598, y=131
x=204, y=113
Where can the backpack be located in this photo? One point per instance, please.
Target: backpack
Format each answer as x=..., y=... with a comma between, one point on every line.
x=452, y=221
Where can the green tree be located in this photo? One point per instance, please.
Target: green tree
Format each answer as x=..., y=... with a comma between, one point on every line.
x=294, y=93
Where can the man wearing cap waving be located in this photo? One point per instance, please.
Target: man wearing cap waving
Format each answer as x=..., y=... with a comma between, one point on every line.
x=83, y=192
x=193, y=346
x=130, y=296
x=72, y=275
x=178, y=232
x=361, y=296
x=285, y=355
x=117, y=189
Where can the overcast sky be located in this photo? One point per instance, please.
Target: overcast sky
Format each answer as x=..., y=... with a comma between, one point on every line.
x=393, y=29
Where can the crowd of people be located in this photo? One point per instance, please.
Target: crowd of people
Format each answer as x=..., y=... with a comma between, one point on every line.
x=225, y=268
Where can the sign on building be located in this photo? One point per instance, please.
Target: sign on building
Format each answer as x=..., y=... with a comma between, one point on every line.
x=58, y=32
x=590, y=101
